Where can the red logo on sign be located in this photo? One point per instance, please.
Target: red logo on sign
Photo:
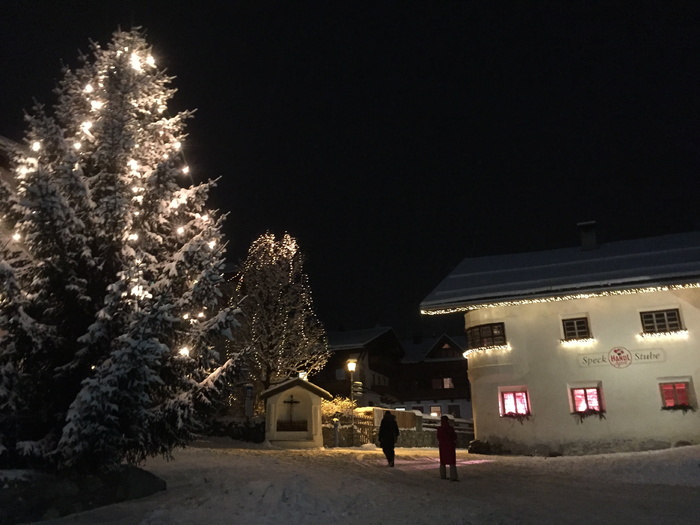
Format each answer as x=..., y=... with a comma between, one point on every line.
x=620, y=357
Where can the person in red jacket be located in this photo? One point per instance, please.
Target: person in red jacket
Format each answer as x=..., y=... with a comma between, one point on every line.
x=447, y=441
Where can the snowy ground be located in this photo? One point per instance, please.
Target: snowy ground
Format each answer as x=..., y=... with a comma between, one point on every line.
x=219, y=481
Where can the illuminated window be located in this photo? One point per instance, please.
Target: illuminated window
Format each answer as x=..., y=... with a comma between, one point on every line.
x=675, y=394
x=435, y=411
x=576, y=328
x=515, y=403
x=493, y=334
x=586, y=399
x=661, y=321
x=442, y=382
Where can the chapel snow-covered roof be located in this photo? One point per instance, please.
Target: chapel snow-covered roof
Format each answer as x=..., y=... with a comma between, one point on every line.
x=654, y=261
x=295, y=382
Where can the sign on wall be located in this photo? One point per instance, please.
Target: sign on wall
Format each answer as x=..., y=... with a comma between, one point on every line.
x=620, y=357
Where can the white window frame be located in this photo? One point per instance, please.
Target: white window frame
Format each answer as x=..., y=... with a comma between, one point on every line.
x=513, y=389
x=570, y=387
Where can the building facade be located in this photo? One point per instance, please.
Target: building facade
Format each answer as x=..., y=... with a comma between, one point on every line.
x=433, y=377
x=376, y=352
x=582, y=350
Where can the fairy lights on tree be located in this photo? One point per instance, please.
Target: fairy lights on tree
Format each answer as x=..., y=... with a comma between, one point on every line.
x=111, y=268
x=280, y=336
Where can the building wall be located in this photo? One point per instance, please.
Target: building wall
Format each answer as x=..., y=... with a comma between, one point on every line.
x=538, y=361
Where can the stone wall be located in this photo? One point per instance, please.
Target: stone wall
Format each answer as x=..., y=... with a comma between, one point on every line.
x=409, y=438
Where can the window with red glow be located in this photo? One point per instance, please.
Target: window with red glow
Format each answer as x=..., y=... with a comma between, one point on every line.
x=515, y=403
x=674, y=394
x=586, y=399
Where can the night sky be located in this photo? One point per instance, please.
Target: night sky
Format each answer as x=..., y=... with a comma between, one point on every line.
x=393, y=139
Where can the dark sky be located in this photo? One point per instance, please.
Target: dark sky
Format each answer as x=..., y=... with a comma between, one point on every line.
x=393, y=139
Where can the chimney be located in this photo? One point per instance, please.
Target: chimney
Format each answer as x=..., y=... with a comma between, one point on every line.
x=588, y=236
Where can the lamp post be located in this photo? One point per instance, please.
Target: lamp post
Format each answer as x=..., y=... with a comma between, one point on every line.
x=352, y=364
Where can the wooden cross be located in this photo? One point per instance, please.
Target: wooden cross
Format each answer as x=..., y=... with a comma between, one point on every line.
x=291, y=404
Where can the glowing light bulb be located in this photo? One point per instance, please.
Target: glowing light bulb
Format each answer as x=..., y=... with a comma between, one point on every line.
x=180, y=230
x=184, y=351
x=16, y=236
x=77, y=145
x=136, y=62
x=200, y=314
x=186, y=316
x=88, y=88
x=186, y=170
x=133, y=237
x=36, y=145
x=96, y=104
x=177, y=145
x=211, y=244
x=151, y=61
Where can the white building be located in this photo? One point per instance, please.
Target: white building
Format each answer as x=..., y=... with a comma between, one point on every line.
x=581, y=350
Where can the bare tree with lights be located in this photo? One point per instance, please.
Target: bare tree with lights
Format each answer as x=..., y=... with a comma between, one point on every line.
x=280, y=336
x=111, y=267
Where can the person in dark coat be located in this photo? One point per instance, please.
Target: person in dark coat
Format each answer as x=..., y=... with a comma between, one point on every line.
x=447, y=441
x=388, y=434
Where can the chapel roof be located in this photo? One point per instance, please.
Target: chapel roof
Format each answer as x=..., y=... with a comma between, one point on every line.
x=648, y=262
x=294, y=382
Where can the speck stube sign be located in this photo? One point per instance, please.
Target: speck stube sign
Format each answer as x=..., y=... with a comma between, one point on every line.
x=620, y=357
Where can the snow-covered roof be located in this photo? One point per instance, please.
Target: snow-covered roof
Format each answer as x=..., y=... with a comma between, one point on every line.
x=418, y=350
x=291, y=383
x=654, y=261
x=355, y=338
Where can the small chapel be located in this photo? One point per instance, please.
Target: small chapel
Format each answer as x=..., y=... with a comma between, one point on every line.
x=293, y=414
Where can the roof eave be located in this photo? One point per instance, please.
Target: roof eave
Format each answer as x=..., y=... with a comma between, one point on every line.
x=557, y=294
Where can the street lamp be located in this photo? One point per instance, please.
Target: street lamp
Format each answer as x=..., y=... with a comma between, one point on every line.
x=352, y=365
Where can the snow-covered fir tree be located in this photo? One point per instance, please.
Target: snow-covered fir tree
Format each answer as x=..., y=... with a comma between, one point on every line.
x=280, y=335
x=111, y=267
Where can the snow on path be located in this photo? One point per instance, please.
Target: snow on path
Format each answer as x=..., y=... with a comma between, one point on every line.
x=219, y=481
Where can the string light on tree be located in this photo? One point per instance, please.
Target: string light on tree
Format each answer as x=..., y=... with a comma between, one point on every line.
x=110, y=229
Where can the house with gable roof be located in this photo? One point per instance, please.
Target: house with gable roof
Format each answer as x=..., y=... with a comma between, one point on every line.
x=433, y=377
x=580, y=350
x=377, y=351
